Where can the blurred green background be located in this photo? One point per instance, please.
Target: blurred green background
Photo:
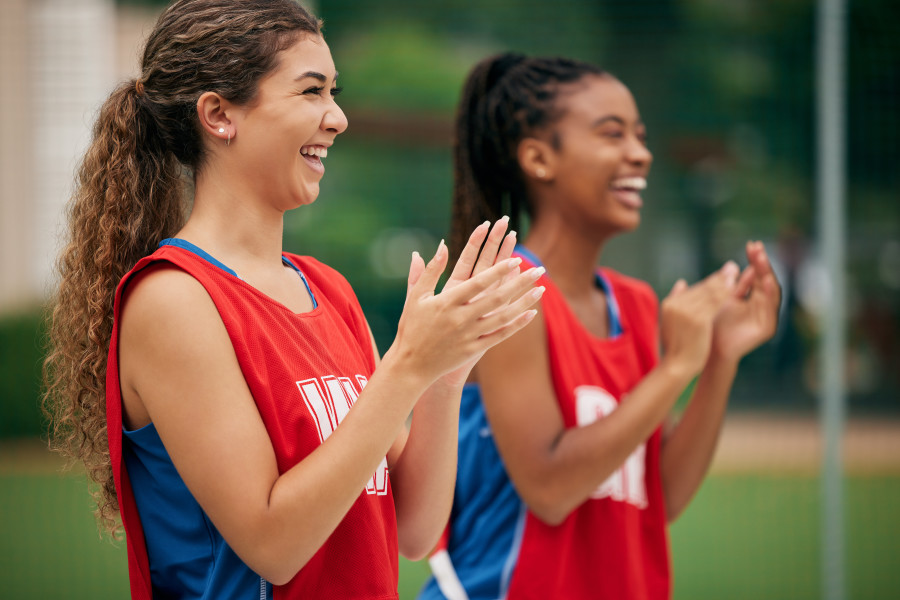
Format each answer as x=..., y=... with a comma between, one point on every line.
x=726, y=89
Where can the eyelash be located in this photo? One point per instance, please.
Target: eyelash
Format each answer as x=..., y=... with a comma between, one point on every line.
x=642, y=137
x=318, y=90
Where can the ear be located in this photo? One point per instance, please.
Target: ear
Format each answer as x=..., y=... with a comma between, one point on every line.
x=213, y=112
x=537, y=159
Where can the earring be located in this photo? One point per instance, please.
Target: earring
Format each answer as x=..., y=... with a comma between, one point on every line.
x=221, y=130
x=541, y=173
x=228, y=141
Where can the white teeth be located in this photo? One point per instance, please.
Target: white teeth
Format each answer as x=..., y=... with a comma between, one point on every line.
x=631, y=183
x=319, y=151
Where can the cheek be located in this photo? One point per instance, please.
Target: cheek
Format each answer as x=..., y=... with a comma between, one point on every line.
x=609, y=157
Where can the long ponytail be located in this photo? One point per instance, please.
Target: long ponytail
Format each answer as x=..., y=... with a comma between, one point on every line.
x=505, y=98
x=128, y=197
x=131, y=193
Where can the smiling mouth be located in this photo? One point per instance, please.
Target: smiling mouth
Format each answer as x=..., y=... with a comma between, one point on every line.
x=633, y=184
x=313, y=156
x=628, y=190
x=314, y=151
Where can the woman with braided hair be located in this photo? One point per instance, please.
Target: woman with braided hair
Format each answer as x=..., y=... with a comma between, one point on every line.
x=224, y=394
x=567, y=478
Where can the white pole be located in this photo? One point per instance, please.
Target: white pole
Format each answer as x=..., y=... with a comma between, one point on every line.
x=830, y=54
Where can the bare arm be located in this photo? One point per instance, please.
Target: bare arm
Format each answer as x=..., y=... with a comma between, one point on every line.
x=423, y=464
x=554, y=468
x=423, y=470
x=179, y=369
x=747, y=320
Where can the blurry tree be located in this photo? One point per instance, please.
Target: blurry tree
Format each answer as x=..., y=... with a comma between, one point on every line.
x=727, y=91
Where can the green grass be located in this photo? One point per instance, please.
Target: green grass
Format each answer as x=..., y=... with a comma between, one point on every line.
x=744, y=536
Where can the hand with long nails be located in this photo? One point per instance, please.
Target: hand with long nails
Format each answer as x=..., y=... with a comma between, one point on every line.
x=750, y=316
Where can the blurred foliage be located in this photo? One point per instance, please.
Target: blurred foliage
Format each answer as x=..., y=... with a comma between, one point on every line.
x=727, y=90
x=378, y=203
x=401, y=67
x=21, y=354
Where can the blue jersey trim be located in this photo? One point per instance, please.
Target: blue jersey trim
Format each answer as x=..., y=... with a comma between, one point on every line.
x=513, y=558
x=285, y=260
x=612, y=306
x=186, y=245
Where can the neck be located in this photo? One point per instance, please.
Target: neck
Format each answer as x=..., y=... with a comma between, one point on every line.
x=570, y=257
x=233, y=224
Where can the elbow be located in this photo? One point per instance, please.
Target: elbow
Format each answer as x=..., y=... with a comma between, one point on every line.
x=673, y=509
x=276, y=572
x=413, y=544
x=549, y=515
x=415, y=552
x=273, y=560
x=276, y=578
x=548, y=507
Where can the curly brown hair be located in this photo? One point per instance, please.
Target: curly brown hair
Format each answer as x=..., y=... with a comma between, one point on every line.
x=132, y=191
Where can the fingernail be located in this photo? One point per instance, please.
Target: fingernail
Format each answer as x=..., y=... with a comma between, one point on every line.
x=536, y=272
x=537, y=292
x=441, y=244
x=504, y=218
x=511, y=233
x=514, y=262
x=415, y=254
x=488, y=223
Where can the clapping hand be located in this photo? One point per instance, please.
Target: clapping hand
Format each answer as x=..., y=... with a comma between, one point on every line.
x=750, y=315
x=486, y=292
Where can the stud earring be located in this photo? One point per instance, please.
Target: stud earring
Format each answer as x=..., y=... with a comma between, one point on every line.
x=541, y=173
x=221, y=130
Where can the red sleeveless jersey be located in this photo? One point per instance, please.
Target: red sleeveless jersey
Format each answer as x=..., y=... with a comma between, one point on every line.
x=615, y=544
x=305, y=372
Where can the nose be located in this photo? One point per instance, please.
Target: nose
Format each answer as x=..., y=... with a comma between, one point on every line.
x=638, y=153
x=334, y=120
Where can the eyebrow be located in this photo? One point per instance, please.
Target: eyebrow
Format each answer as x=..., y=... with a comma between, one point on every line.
x=603, y=120
x=616, y=119
x=315, y=75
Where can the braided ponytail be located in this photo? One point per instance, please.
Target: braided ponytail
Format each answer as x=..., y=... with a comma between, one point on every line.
x=505, y=99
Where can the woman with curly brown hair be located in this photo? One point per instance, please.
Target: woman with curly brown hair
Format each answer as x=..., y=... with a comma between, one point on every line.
x=201, y=374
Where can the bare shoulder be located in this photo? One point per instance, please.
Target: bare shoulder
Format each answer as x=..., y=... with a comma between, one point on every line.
x=163, y=291
x=166, y=310
x=516, y=373
x=170, y=336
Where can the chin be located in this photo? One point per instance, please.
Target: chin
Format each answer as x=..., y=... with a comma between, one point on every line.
x=628, y=224
x=305, y=196
x=633, y=225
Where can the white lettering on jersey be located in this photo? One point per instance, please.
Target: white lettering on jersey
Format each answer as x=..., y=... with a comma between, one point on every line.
x=328, y=400
x=626, y=484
